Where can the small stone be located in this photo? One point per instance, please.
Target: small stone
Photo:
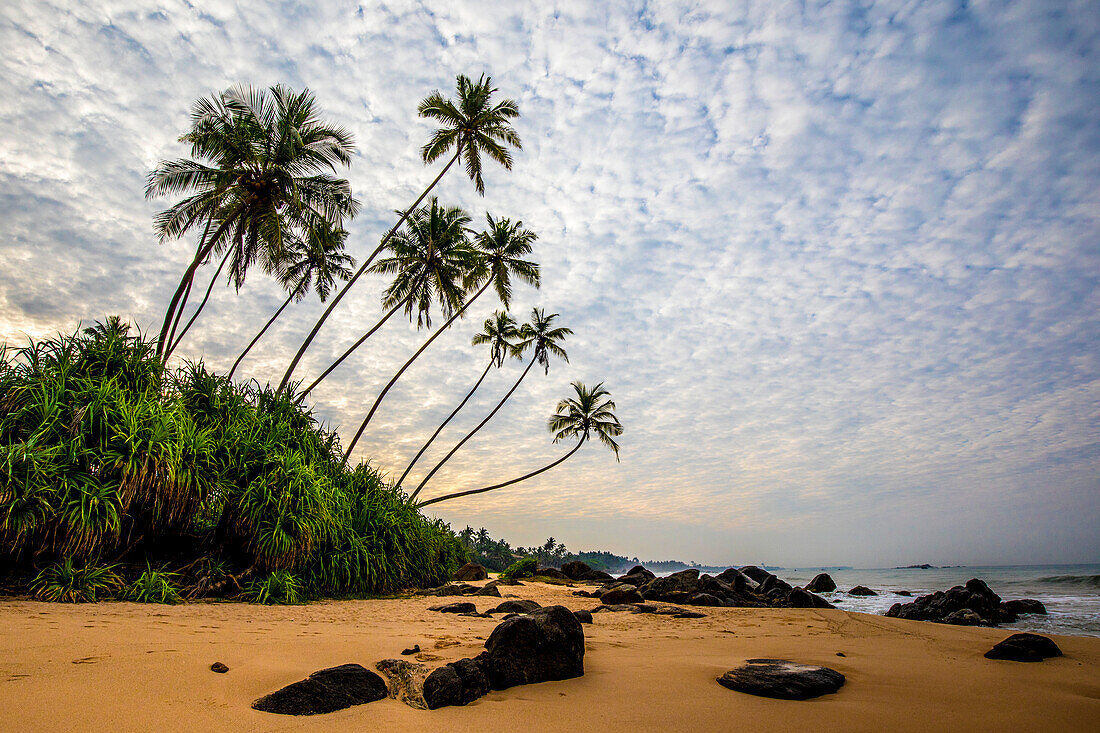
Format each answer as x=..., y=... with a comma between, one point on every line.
x=219, y=668
x=458, y=607
x=413, y=650
x=862, y=590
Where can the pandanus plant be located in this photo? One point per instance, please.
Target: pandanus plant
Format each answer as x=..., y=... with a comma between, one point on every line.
x=473, y=126
x=587, y=414
x=260, y=174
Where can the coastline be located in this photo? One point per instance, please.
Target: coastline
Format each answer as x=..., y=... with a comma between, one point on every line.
x=125, y=666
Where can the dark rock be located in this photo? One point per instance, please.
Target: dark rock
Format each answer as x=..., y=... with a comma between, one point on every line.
x=575, y=569
x=821, y=583
x=456, y=683
x=757, y=574
x=219, y=667
x=625, y=593
x=689, y=614
x=616, y=608
x=781, y=679
x=1025, y=605
x=470, y=571
x=639, y=569
x=902, y=593
x=597, y=575
x=676, y=587
x=587, y=593
x=975, y=596
x=861, y=590
x=451, y=589
x=489, y=589
x=1024, y=648
x=411, y=650
x=644, y=608
x=585, y=617
x=325, y=691
x=773, y=582
x=963, y=617
x=841, y=654
x=637, y=579
x=799, y=598
x=705, y=599
x=737, y=580
x=457, y=607
x=978, y=587
x=475, y=614
x=405, y=681
x=552, y=573
x=547, y=644
x=519, y=606
x=670, y=610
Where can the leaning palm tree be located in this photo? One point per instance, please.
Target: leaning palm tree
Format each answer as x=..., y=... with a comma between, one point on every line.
x=545, y=341
x=318, y=262
x=588, y=413
x=431, y=257
x=500, y=332
x=473, y=126
x=258, y=175
x=500, y=251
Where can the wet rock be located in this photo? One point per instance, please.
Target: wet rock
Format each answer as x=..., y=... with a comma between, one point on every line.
x=861, y=590
x=547, y=644
x=624, y=593
x=822, y=583
x=470, y=571
x=902, y=593
x=325, y=691
x=518, y=606
x=457, y=607
x=405, y=681
x=975, y=596
x=1024, y=648
x=219, y=667
x=781, y=679
x=1025, y=605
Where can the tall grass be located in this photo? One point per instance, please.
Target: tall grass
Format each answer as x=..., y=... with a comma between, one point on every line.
x=108, y=457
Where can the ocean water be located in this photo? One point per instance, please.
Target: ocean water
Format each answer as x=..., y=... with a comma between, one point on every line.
x=1071, y=593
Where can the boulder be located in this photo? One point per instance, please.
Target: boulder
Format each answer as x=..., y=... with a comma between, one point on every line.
x=456, y=683
x=489, y=589
x=552, y=573
x=799, y=598
x=738, y=580
x=781, y=679
x=639, y=569
x=757, y=574
x=325, y=691
x=624, y=593
x=643, y=608
x=575, y=569
x=595, y=575
x=587, y=593
x=902, y=593
x=1024, y=648
x=772, y=582
x=451, y=589
x=963, y=617
x=405, y=681
x=585, y=617
x=689, y=614
x=822, y=583
x=1025, y=605
x=521, y=605
x=470, y=571
x=414, y=649
x=637, y=579
x=676, y=587
x=975, y=596
x=861, y=590
x=457, y=607
x=617, y=607
x=705, y=599
x=547, y=644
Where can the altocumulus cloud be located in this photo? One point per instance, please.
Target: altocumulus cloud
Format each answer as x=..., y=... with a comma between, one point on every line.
x=837, y=262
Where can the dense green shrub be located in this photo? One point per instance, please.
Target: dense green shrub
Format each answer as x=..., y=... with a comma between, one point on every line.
x=281, y=587
x=106, y=453
x=66, y=583
x=154, y=586
x=524, y=568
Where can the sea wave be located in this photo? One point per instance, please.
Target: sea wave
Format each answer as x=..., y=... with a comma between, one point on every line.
x=1091, y=580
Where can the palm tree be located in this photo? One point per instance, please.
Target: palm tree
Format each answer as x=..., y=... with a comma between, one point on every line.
x=500, y=249
x=590, y=412
x=431, y=257
x=317, y=262
x=499, y=332
x=474, y=126
x=544, y=339
x=258, y=175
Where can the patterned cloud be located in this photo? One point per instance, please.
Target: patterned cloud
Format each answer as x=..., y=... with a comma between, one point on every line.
x=836, y=262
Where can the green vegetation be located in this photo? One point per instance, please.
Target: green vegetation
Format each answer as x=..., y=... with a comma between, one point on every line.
x=281, y=587
x=524, y=568
x=66, y=583
x=154, y=586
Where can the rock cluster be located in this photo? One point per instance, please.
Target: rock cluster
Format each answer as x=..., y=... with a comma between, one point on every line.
x=973, y=604
x=465, y=589
x=749, y=587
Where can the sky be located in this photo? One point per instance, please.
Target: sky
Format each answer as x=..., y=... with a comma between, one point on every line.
x=837, y=263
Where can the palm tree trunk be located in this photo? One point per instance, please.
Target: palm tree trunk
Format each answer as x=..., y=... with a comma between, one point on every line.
x=434, y=336
x=205, y=246
x=260, y=335
x=471, y=434
x=506, y=483
x=352, y=348
x=179, y=313
x=205, y=298
x=444, y=424
x=362, y=268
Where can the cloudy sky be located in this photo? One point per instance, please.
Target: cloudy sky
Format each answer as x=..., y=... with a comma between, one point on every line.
x=836, y=262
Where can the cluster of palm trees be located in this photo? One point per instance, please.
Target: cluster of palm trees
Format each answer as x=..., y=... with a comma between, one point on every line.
x=262, y=187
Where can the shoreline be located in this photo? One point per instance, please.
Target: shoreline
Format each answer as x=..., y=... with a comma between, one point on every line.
x=127, y=666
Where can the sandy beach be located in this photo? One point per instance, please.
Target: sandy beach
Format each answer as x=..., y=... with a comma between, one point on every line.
x=130, y=667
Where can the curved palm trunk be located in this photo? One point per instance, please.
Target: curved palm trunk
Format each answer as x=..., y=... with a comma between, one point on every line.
x=506, y=483
x=206, y=245
x=362, y=268
x=473, y=432
x=179, y=313
x=386, y=389
x=191, y=321
x=352, y=348
x=443, y=425
x=259, y=335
